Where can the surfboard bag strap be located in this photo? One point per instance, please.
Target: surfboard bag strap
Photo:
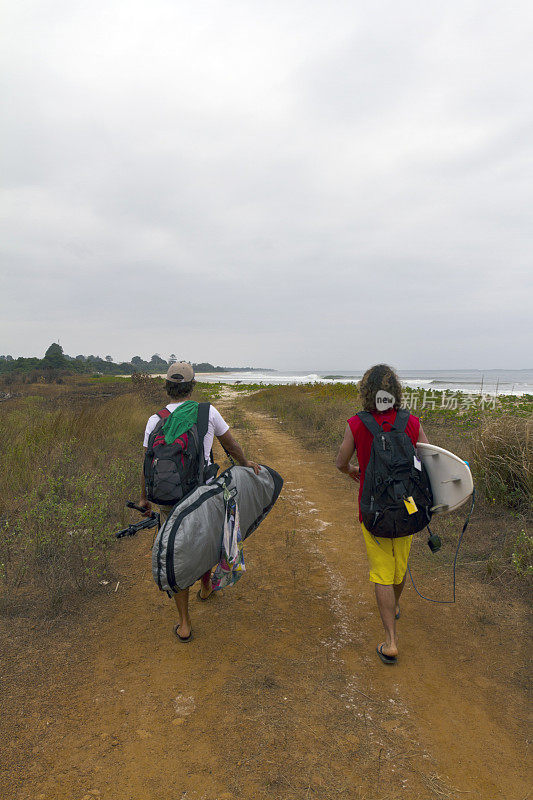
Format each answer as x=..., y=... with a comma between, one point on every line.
x=190, y=541
x=396, y=499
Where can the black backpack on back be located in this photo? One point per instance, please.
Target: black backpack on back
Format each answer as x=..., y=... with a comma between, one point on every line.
x=393, y=475
x=173, y=470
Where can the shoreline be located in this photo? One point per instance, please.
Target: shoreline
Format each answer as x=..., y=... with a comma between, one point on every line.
x=448, y=389
x=423, y=385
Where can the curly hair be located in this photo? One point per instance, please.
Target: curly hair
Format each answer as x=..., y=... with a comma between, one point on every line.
x=179, y=390
x=381, y=376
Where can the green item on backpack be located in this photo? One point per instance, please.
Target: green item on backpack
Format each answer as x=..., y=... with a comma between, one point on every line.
x=181, y=420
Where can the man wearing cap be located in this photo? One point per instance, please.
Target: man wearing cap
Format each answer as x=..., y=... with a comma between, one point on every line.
x=180, y=383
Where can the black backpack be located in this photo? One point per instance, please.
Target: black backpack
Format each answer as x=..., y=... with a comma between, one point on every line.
x=393, y=475
x=171, y=471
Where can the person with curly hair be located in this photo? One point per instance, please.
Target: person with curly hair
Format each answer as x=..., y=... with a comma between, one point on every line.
x=381, y=394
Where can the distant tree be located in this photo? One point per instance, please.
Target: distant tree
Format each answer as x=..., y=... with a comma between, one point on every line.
x=109, y=358
x=124, y=368
x=80, y=358
x=156, y=359
x=204, y=366
x=54, y=358
x=137, y=360
x=9, y=358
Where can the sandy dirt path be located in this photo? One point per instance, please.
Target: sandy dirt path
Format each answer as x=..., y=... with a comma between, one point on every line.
x=280, y=695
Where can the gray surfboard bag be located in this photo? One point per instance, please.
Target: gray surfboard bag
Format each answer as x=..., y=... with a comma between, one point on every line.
x=190, y=541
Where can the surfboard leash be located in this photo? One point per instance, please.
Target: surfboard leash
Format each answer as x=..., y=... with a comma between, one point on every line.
x=448, y=602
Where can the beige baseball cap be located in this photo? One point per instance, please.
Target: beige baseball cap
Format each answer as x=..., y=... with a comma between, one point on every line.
x=180, y=372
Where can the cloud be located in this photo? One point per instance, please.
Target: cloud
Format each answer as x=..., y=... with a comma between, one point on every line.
x=279, y=184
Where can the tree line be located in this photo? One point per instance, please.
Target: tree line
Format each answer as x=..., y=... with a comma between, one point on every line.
x=56, y=363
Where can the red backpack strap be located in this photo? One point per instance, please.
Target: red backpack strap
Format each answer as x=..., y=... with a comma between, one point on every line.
x=163, y=415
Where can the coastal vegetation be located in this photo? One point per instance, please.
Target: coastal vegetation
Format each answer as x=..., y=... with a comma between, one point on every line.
x=56, y=365
x=494, y=434
x=70, y=457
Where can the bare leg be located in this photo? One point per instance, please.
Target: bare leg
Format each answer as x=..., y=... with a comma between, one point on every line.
x=386, y=601
x=207, y=586
x=182, y=604
x=398, y=589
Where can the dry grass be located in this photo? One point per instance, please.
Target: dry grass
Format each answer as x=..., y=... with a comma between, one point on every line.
x=65, y=473
x=70, y=457
x=316, y=413
x=503, y=461
x=498, y=446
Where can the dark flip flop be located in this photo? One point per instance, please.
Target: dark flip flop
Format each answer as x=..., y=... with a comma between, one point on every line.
x=384, y=657
x=397, y=616
x=203, y=599
x=182, y=638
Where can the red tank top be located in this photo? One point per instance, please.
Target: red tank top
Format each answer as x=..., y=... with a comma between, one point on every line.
x=363, y=439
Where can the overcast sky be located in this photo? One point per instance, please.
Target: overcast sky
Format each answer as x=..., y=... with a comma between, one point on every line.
x=293, y=184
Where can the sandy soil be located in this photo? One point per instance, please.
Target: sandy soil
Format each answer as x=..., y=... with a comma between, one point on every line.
x=280, y=694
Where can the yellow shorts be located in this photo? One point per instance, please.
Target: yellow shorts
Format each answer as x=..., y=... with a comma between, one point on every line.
x=387, y=557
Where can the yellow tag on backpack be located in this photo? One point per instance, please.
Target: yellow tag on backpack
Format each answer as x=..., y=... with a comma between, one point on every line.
x=410, y=505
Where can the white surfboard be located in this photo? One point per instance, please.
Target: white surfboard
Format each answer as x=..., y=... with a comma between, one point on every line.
x=450, y=477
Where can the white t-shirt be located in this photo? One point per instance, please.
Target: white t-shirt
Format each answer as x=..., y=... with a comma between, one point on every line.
x=215, y=427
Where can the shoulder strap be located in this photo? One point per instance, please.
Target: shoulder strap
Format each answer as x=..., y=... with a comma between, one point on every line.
x=399, y=424
x=370, y=423
x=203, y=420
x=201, y=426
x=163, y=415
x=402, y=418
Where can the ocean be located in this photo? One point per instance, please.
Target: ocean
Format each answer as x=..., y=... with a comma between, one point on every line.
x=491, y=382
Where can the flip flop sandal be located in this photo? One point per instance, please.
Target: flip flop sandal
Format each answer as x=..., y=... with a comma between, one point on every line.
x=384, y=657
x=397, y=616
x=203, y=599
x=182, y=638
